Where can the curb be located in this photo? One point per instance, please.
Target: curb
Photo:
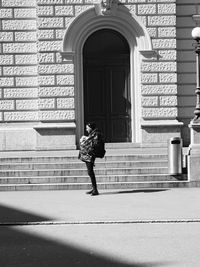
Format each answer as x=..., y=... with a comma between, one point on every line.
x=99, y=222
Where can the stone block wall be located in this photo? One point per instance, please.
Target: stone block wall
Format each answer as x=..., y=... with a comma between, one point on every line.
x=33, y=30
x=56, y=79
x=18, y=61
x=37, y=86
x=186, y=64
x=159, y=76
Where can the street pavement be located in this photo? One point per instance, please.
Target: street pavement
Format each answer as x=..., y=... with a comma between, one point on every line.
x=118, y=228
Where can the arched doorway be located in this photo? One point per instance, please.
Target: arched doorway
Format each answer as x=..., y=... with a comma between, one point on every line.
x=106, y=71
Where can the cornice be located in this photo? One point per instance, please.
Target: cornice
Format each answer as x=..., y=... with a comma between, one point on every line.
x=196, y=18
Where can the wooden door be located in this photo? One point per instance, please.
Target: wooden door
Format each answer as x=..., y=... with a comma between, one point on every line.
x=107, y=97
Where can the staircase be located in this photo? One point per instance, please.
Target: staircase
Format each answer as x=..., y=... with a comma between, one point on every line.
x=122, y=168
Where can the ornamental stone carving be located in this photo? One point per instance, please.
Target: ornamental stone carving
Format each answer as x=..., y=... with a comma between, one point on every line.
x=106, y=7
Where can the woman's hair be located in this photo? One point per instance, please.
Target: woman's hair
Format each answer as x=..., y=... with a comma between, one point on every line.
x=92, y=125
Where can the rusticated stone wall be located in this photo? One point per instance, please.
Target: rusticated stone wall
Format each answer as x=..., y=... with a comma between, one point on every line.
x=56, y=79
x=33, y=30
x=18, y=61
x=36, y=85
x=159, y=76
x=186, y=63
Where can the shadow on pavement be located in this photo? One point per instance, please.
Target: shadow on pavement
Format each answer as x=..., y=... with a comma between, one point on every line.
x=134, y=191
x=18, y=248
x=8, y=214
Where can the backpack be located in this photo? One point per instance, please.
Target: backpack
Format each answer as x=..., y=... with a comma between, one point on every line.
x=99, y=149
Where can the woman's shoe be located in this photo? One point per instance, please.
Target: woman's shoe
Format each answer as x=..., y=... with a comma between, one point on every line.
x=89, y=192
x=94, y=193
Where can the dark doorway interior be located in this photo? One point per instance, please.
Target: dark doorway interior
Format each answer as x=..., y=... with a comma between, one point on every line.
x=106, y=84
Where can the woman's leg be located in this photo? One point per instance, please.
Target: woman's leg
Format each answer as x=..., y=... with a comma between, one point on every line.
x=90, y=170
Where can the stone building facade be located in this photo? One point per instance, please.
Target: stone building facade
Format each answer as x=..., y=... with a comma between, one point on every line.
x=42, y=95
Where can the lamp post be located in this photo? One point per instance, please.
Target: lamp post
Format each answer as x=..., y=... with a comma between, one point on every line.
x=193, y=159
x=196, y=37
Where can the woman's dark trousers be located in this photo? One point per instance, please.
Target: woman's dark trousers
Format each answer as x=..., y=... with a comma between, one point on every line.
x=90, y=170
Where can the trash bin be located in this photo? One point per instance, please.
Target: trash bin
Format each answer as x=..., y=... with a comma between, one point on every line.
x=175, y=155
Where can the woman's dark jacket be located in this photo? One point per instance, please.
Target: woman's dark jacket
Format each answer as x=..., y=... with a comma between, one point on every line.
x=87, y=149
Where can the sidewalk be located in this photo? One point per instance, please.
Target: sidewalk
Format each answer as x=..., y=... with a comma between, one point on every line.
x=110, y=206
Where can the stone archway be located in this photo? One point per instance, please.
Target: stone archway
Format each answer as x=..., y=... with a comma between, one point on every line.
x=121, y=20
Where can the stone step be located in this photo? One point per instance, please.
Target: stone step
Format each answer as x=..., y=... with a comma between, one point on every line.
x=77, y=172
x=127, y=167
x=79, y=165
x=112, y=148
x=146, y=146
x=86, y=186
x=85, y=179
x=54, y=159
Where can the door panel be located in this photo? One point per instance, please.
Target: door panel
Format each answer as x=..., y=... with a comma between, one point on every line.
x=118, y=90
x=119, y=104
x=119, y=130
x=94, y=96
x=94, y=99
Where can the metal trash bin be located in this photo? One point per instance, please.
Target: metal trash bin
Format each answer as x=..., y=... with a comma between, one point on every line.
x=175, y=155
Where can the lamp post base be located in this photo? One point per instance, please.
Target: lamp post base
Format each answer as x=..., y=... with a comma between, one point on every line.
x=194, y=151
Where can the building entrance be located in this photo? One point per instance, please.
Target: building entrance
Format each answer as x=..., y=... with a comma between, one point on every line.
x=106, y=84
